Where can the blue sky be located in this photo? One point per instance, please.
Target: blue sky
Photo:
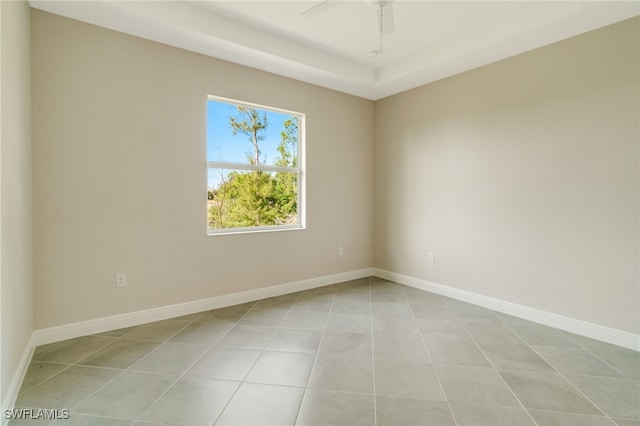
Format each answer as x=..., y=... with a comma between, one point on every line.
x=222, y=145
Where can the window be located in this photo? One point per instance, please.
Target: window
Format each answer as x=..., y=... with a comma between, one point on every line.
x=255, y=167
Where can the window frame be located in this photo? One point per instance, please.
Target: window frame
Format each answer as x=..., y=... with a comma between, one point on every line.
x=299, y=170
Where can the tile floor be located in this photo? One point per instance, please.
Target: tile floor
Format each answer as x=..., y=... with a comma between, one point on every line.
x=364, y=352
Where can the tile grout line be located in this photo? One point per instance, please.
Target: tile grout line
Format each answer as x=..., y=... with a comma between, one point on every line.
x=493, y=365
x=262, y=351
x=373, y=358
x=97, y=390
x=114, y=339
x=560, y=374
x=164, y=341
x=581, y=346
x=76, y=363
x=84, y=399
x=248, y=370
x=123, y=337
x=128, y=369
x=458, y=320
x=315, y=358
x=624, y=376
x=278, y=327
x=426, y=347
x=123, y=370
x=67, y=366
x=191, y=366
x=87, y=366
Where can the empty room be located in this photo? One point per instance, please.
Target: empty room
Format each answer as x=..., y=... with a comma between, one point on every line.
x=320, y=213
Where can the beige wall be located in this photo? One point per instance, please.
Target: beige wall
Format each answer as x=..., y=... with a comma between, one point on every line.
x=120, y=179
x=16, y=278
x=522, y=177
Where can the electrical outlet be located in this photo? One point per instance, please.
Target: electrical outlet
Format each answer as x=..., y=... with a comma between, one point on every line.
x=340, y=251
x=121, y=279
x=431, y=257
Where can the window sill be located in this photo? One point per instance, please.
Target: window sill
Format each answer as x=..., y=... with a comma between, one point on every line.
x=253, y=230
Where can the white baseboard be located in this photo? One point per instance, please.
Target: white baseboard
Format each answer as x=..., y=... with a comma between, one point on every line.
x=84, y=328
x=69, y=331
x=572, y=325
x=99, y=325
x=16, y=382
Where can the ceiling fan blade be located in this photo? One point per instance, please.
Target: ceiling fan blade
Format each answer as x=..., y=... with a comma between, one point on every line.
x=388, y=22
x=320, y=8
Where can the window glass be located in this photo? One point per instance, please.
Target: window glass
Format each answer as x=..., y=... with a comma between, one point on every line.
x=254, y=167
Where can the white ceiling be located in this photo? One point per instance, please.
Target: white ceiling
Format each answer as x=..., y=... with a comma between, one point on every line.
x=432, y=39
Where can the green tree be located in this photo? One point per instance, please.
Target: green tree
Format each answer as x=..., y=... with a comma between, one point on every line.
x=251, y=123
x=288, y=143
x=251, y=199
x=286, y=183
x=257, y=198
x=245, y=198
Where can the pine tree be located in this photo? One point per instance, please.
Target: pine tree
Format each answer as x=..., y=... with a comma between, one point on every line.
x=286, y=185
x=251, y=123
x=257, y=198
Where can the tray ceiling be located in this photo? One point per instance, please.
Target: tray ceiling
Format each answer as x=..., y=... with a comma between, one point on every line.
x=432, y=39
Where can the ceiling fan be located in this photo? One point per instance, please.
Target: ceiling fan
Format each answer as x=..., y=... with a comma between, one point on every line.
x=384, y=11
